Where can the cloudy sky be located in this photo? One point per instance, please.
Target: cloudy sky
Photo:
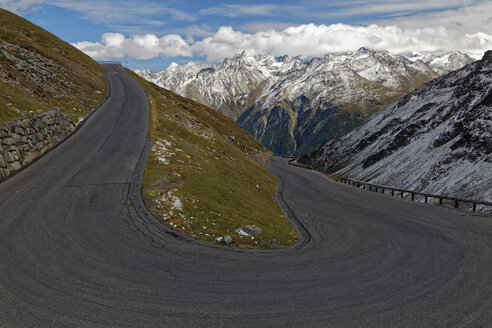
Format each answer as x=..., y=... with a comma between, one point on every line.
x=152, y=34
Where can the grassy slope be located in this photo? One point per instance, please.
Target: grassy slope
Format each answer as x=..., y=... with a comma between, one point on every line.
x=218, y=180
x=38, y=71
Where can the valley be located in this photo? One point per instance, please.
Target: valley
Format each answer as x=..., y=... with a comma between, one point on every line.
x=293, y=105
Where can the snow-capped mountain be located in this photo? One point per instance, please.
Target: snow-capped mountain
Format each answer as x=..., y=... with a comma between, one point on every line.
x=444, y=63
x=230, y=87
x=437, y=139
x=294, y=104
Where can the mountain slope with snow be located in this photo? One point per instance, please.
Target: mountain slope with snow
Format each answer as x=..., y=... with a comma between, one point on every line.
x=444, y=63
x=436, y=139
x=295, y=104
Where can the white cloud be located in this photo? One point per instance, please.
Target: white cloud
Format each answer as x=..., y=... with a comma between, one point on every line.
x=313, y=40
x=116, y=45
x=308, y=39
x=242, y=10
x=19, y=5
x=193, y=31
x=357, y=8
x=253, y=27
x=329, y=9
x=122, y=15
x=468, y=19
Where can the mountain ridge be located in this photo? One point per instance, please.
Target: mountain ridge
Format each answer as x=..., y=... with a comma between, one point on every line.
x=282, y=100
x=435, y=139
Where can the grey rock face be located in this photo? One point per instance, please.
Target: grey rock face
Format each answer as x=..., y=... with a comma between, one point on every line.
x=25, y=139
x=436, y=139
x=227, y=240
x=251, y=230
x=40, y=70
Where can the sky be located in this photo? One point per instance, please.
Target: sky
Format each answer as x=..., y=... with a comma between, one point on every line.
x=150, y=34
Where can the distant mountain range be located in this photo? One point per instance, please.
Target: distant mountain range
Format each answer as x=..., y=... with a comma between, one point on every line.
x=295, y=104
x=442, y=64
x=436, y=139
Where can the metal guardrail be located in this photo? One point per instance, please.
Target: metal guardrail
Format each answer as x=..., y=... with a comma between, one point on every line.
x=401, y=192
x=412, y=193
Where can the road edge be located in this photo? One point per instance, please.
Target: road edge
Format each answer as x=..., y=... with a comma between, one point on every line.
x=77, y=128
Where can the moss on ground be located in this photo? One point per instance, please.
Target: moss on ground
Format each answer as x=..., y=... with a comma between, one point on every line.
x=204, y=176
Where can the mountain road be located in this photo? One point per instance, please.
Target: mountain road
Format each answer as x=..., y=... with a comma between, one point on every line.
x=78, y=250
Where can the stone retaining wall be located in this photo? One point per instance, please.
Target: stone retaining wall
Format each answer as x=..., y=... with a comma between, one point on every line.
x=25, y=139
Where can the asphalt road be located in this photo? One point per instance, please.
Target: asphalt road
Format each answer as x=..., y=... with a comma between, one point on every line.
x=77, y=250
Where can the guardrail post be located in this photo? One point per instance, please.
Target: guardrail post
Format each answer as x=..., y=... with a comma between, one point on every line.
x=425, y=199
x=401, y=196
x=440, y=201
x=382, y=191
x=474, y=207
x=455, y=203
x=376, y=189
x=392, y=192
x=370, y=188
x=412, y=195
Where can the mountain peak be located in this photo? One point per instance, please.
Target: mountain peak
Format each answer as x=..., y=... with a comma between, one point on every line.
x=247, y=53
x=244, y=55
x=263, y=92
x=173, y=66
x=365, y=50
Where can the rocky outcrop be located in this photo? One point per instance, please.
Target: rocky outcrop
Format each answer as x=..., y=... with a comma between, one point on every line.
x=42, y=73
x=25, y=139
x=436, y=139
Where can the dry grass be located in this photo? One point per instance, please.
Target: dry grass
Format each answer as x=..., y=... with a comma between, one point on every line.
x=55, y=74
x=204, y=178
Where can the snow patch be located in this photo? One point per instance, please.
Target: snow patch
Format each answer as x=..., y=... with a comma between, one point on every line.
x=161, y=150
